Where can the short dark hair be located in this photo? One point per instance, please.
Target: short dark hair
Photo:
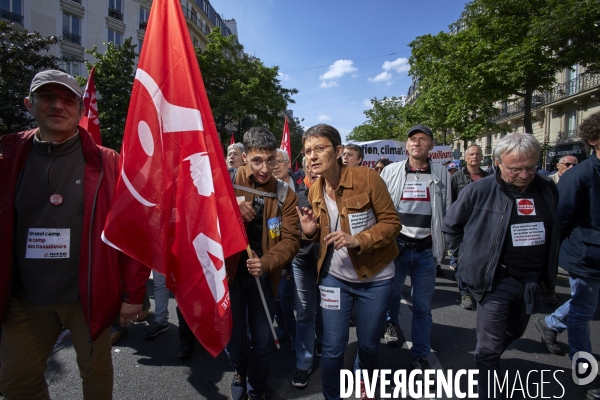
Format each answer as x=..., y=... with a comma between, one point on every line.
x=356, y=148
x=590, y=129
x=326, y=131
x=259, y=138
x=384, y=160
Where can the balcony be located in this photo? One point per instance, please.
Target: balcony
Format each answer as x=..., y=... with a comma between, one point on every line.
x=12, y=17
x=143, y=26
x=116, y=14
x=566, y=136
x=510, y=111
x=572, y=87
x=71, y=37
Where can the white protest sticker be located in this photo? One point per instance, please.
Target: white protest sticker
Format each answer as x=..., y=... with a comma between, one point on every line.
x=330, y=298
x=361, y=221
x=415, y=191
x=48, y=243
x=530, y=234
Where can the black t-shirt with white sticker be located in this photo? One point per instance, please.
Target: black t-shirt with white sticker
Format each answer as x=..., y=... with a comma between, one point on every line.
x=527, y=240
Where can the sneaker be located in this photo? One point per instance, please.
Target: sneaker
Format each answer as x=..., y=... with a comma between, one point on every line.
x=300, y=379
x=318, y=348
x=155, y=329
x=185, y=350
x=453, y=267
x=391, y=334
x=548, y=337
x=420, y=363
x=143, y=315
x=466, y=301
x=116, y=334
x=282, y=335
x=363, y=392
x=238, y=387
x=439, y=271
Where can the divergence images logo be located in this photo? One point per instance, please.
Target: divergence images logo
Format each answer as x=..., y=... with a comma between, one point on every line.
x=582, y=368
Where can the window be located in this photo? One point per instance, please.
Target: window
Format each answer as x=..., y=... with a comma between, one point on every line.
x=71, y=29
x=571, y=79
x=140, y=46
x=195, y=41
x=194, y=17
x=115, y=37
x=205, y=7
x=571, y=124
x=72, y=65
x=115, y=9
x=144, y=14
x=12, y=10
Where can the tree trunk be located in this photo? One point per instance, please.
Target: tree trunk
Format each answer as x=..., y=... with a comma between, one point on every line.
x=527, y=118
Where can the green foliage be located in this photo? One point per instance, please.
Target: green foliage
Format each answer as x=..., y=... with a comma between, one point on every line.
x=115, y=72
x=385, y=120
x=508, y=50
x=241, y=90
x=22, y=56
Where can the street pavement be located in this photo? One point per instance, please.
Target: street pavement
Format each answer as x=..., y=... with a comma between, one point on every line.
x=150, y=369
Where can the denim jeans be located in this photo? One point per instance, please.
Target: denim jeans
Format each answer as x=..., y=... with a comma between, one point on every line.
x=575, y=314
x=371, y=303
x=161, y=298
x=249, y=348
x=306, y=303
x=284, y=308
x=421, y=266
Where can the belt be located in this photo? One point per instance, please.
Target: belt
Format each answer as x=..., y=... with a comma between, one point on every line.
x=424, y=245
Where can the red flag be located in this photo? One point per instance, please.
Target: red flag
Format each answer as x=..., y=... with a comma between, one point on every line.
x=285, y=139
x=174, y=208
x=232, y=141
x=90, y=121
x=296, y=167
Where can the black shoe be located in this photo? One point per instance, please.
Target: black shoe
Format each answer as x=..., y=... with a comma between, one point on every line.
x=439, y=271
x=318, y=348
x=238, y=387
x=282, y=335
x=466, y=302
x=420, y=363
x=155, y=329
x=300, y=379
x=548, y=337
x=185, y=350
x=391, y=334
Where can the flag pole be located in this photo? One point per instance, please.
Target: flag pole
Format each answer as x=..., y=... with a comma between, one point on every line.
x=264, y=302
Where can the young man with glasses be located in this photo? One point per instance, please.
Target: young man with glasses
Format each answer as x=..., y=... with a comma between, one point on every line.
x=507, y=226
x=565, y=163
x=274, y=239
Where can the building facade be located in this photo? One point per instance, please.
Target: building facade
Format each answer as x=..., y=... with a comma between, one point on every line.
x=81, y=24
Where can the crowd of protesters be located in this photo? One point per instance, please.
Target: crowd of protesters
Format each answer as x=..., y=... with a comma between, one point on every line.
x=330, y=248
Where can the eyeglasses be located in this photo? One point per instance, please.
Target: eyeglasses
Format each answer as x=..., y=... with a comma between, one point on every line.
x=50, y=97
x=317, y=150
x=568, y=164
x=516, y=171
x=259, y=162
x=281, y=162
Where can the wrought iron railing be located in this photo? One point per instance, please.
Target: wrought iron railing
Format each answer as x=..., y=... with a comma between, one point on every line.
x=511, y=110
x=567, y=135
x=11, y=16
x=574, y=86
x=116, y=14
x=143, y=26
x=71, y=37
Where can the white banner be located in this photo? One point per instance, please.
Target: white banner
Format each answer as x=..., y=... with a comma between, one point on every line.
x=396, y=151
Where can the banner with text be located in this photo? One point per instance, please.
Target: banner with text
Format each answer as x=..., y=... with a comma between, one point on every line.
x=396, y=151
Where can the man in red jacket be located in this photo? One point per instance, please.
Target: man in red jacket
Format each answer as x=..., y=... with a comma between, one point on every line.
x=56, y=188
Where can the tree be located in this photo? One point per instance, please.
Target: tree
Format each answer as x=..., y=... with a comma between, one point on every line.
x=385, y=120
x=241, y=90
x=505, y=50
x=115, y=72
x=22, y=57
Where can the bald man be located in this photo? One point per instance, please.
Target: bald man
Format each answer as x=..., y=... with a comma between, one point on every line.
x=565, y=163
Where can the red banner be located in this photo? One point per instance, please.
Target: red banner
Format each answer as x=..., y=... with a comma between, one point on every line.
x=174, y=208
x=285, y=140
x=232, y=141
x=90, y=121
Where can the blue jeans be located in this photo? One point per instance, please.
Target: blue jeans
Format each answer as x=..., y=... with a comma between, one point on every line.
x=161, y=298
x=249, y=348
x=284, y=308
x=306, y=303
x=371, y=303
x=421, y=266
x=575, y=314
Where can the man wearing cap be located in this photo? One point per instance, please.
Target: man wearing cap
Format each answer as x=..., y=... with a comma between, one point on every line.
x=565, y=163
x=420, y=190
x=55, y=192
x=471, y=173
x=453, y=167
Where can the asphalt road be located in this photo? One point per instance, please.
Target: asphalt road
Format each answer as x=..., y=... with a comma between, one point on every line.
x=151, y=370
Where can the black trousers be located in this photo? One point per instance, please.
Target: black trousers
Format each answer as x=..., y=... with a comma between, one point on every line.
x=185, y=333
x=501, y=319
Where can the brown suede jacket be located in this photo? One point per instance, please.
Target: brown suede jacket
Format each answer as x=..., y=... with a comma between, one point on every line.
x=277, y=251
x=360, y=190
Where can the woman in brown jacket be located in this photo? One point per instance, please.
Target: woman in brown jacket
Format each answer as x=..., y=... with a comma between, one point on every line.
x=355, y=222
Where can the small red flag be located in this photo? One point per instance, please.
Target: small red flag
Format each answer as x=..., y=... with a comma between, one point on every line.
x=174, y=208
x=285, y=139
x=232, y=141
x=90, y=121
x=296, y=167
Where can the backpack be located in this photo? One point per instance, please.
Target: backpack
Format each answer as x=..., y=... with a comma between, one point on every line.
x=282, y=189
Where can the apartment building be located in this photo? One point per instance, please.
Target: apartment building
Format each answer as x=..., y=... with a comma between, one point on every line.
x=81, y=24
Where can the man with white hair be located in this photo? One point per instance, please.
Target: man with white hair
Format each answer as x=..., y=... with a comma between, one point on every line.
x=565, y=163
x=234, y=155
x=509, y=230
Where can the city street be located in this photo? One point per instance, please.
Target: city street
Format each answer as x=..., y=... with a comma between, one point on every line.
x=151, y=370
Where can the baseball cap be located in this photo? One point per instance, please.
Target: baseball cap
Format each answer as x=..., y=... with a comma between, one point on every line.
x=453, y=165
x=53, y=76
x=420, y=128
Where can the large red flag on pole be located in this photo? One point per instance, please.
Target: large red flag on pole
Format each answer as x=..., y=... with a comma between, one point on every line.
x=232, y=141
x=285, y=140
x=90, y=121
x=174, y=208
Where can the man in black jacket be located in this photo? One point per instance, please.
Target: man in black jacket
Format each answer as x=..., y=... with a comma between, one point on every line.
x=471, y=173
x=508, y=226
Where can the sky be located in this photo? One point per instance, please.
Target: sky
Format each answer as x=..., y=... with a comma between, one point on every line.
x=338, y=54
